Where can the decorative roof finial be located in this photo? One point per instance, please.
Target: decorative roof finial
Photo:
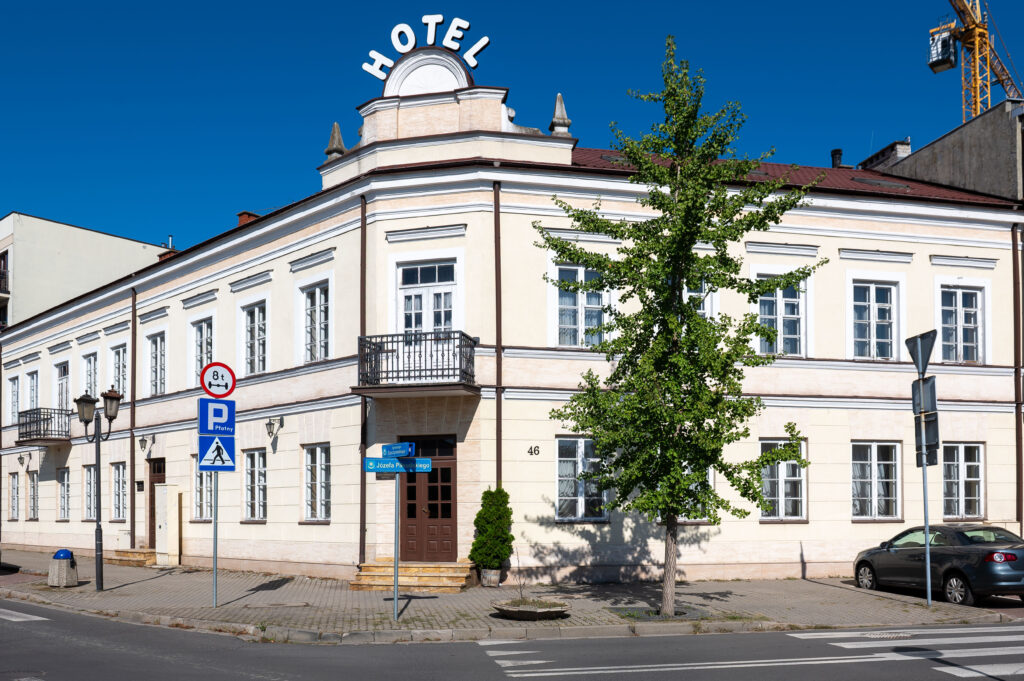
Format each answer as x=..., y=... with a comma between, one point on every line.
x=560, y=122
x=336, y=146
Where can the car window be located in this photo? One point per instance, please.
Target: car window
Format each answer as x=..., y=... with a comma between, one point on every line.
x=910, y=540
x=990, y=535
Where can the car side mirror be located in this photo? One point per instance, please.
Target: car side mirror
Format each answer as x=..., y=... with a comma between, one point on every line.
x=884, y=545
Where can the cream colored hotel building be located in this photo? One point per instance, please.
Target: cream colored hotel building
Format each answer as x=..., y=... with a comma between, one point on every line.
x=406, y=301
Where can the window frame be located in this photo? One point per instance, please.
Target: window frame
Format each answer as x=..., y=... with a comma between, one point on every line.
x=984, y=288
x=780, y=317
x=33, y=389
x=873, y=320
x=118, y=491
x=874, y=481
x=58, y=381
x=14, y=496
x=156, y=346
x=14, y=397
x=90, y=373
x=960, y=325
x=202, y=337
x=582, y=306
x=254, y=484
x=259, y=343
x=582, y=463
x=64, y=493
x=962, y=480
x=316, y=457
x=32, y=483
x=321, y=322
x=89, y=492
x=804, y=487
x=202, y=493
x=119, y=368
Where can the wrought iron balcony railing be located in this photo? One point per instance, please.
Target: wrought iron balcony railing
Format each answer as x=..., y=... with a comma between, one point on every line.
x=44, y=424
x=417, y=357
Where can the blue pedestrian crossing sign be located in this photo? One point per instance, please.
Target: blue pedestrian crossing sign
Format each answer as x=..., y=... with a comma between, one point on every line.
x=216, y=453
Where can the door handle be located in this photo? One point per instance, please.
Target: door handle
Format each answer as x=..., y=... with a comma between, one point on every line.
x=424, y=509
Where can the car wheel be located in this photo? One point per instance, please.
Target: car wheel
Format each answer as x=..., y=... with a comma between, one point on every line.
x=866, y=577
x=957, y=590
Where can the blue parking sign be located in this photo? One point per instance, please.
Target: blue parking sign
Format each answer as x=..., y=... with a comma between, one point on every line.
x=216, y=417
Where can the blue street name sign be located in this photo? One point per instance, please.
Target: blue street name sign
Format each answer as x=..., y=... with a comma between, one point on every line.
x=216, y=453
x=216, y=417
x=403, y=465
x=399, y=449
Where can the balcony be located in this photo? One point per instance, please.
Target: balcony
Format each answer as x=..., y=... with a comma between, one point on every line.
x=417, y=364
x=44, y=426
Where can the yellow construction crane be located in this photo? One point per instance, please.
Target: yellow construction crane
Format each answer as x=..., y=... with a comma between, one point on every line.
x=979, y=62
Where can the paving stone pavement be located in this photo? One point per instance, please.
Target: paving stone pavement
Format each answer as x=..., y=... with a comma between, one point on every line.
x=267, y=601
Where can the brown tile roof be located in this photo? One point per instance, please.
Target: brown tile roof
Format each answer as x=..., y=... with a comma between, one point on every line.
x=835, y=180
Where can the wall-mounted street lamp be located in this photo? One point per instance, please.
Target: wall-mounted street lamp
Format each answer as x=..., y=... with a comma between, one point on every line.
x=146, y=445
x=87, y=412
x=21, y=458
x=274, y=425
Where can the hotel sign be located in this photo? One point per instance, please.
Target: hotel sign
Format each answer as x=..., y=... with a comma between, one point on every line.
x=403, y=39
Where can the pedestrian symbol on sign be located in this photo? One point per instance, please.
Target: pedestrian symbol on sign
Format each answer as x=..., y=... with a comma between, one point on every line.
x=217, y=453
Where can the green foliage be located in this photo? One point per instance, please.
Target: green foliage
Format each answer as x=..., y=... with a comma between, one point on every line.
x=492, y=544
x=674, y=400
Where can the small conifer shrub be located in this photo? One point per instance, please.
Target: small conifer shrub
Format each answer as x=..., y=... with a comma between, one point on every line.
x=492, y=544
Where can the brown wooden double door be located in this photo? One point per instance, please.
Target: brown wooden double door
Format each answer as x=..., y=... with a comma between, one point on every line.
x=428, y=515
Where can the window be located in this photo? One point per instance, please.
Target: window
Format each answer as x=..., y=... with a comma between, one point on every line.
x=89, y=371
x=13, y=398
x=120, y=368
x=14, y=496
x=256, y=338
x=578, y=499
x=427, y=292
x=256, y=484
x=33, y=495
x=33, y=390
x=961, y=324
x=318, y=482
x=90, y=492
x=157, y=365
x=576, y=326
x=702, y=295
x=316, y=298
x=873, y=314
x=875, y=481
x=202, y=336
x=120, y=491
x=202, y=497
x=783, y=487
x=782, y=310
x=63, y=493
x=63, y=386
x=961, y=481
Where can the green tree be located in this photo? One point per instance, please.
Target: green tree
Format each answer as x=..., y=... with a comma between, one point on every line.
x=492, y=544
x=673, y=401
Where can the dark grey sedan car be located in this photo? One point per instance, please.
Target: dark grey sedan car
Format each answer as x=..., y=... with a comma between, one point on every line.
x=968, y=562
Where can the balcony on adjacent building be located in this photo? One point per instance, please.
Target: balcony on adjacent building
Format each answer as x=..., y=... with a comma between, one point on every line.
x=44, y=426
x=417, y=364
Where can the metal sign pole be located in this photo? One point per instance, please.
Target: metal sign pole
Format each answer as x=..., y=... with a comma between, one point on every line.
x=924, y=483
x=394, y=613
x=216, y=480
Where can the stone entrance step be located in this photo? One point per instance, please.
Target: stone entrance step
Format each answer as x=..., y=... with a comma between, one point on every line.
x=419, y=577
x=131, y=557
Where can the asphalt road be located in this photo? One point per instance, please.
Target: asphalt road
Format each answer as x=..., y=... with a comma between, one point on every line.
x=64, y=645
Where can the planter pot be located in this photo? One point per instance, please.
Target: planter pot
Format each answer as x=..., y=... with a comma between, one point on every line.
x=547, y=611
x=490, y=577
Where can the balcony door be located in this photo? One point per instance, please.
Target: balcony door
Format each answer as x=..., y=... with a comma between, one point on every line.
x=426, y=297
x=63, y=386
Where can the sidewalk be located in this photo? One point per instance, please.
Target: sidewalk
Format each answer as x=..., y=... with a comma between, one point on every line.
x=303, y=609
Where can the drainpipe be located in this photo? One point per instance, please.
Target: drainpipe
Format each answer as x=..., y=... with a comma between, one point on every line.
x=131, y=427
x=362, y=400
x=498, y=390
x=1018, y=425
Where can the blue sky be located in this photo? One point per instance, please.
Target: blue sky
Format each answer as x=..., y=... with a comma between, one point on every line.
x=149, y=119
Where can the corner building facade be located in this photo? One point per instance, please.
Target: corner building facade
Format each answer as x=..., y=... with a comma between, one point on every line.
x=405, y=301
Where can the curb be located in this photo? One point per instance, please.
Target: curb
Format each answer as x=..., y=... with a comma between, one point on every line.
x=277, y=634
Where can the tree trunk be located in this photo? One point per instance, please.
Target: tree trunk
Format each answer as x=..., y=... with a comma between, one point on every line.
x=668, y=582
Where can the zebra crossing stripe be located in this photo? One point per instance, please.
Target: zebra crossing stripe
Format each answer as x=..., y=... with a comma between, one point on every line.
x=924, y=642
x=988, y=671
x=12, y=616
x=876, y=632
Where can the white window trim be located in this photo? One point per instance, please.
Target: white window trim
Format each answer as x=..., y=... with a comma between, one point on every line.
x=807, y=316
x=579, y=518
x=13, y=405
x=961, y=497
x=397, y=260
x=552, y=304
x=111, y=372
x=114, y=467
x=148, y=359
x=96, y=374
x=64, y=494
x=241, y=306
x=32, y=494
x=89, y=510
x=245, y=485
x=193, y=381
x=319, y=448
x=805, y=501
x=299, y=315
x=897, y=279
x=55, y=384
x=874, y=481
x=33, y=382
x=14, y=496
x=984, y=287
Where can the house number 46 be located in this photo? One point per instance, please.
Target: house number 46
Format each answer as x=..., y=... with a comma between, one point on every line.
x=534, y=450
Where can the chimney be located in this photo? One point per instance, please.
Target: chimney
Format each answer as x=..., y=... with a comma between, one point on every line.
x=837, y=158
x=888, y=156
x=246, y=216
